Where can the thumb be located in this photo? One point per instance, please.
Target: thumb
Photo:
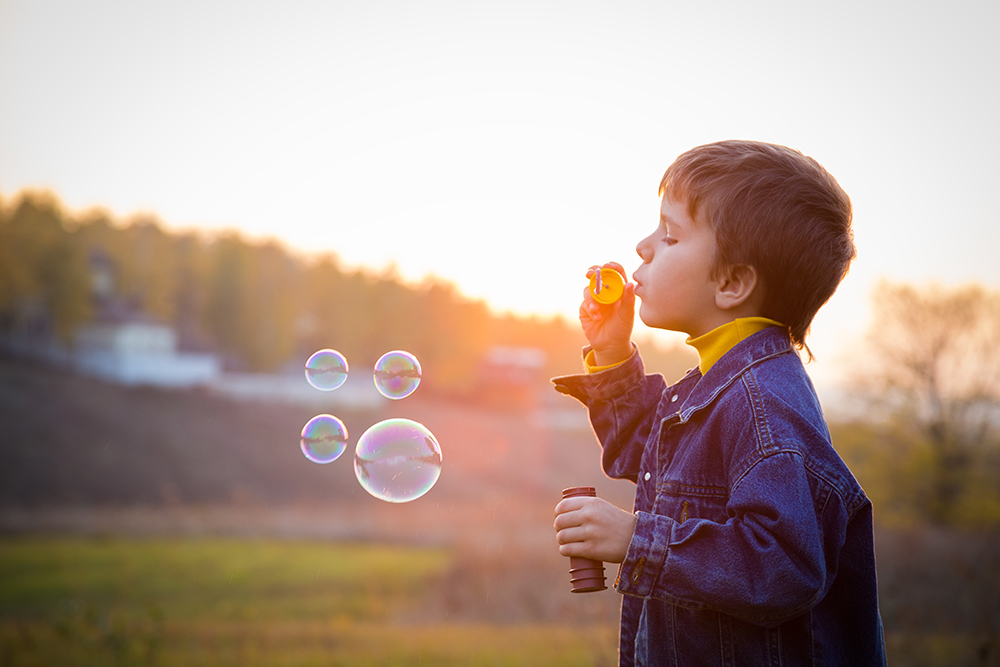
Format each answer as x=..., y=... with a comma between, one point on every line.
x=626, y=308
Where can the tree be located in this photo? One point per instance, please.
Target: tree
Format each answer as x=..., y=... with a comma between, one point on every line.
x=226, y=318
x=149, y=275
x=43, y=269
x=936, y=366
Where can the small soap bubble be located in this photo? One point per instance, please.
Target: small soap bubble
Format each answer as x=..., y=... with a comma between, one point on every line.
x=324, y=439
x=326, y=370
x=397, y=374
x=397, y=460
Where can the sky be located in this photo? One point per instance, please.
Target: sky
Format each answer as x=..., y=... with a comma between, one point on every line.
x=507, y=146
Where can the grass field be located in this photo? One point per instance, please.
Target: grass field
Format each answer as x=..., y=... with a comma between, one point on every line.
x=227, y=601
x=245, y=602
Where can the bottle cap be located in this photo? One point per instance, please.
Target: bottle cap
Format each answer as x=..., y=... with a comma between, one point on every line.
x=575, y=491
x=611, y=288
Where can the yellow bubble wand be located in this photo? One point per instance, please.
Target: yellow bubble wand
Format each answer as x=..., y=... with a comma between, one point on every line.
x=607, y=285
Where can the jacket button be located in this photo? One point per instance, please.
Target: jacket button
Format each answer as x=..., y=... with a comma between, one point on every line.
x=637, y=570
x=673, y=399
x=646, y=476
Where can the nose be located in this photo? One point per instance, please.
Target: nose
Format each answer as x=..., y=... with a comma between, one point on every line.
x=643, y=249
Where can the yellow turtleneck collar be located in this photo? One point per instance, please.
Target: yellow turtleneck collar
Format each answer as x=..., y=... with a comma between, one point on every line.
x=713, y=345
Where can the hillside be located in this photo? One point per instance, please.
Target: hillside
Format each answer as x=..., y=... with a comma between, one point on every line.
x=68, y=442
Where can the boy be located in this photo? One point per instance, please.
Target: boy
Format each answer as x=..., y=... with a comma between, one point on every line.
x=750, y=542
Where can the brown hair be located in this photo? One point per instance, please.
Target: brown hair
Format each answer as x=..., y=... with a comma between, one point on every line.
x=774, y=209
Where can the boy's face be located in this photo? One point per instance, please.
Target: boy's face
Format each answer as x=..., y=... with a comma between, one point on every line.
x=674, y=280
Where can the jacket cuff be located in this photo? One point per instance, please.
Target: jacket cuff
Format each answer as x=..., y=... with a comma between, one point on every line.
x=647, y=555
x=603, y=385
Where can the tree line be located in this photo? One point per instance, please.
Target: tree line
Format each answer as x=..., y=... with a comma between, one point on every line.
x=256, y=303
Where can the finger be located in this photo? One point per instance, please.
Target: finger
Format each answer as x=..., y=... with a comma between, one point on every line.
x=574, y=549
x=570, y=504
x=617, y=267
x=591, y=303
x=567, y=520
x=570, y=535
x=590, y=309
x=628, y=297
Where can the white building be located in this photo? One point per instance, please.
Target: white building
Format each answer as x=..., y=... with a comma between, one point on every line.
x=126, y=346
x=137, y=350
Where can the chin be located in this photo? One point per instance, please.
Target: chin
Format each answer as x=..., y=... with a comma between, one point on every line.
x=648, y=318
x=653, y=322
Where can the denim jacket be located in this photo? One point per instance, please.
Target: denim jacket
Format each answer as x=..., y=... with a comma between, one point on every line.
x=753, y=541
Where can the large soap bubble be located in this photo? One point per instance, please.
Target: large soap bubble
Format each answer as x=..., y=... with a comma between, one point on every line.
x=397, y=460
x=326, y=370
x=397, y=374
x=324, y=439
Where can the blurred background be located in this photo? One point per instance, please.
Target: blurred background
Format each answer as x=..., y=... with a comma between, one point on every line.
x=195, y=197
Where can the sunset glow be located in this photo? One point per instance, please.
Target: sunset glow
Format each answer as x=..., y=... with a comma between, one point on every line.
x=462, y=140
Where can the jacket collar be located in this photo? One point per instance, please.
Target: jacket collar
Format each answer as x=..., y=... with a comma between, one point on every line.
x=766, y=344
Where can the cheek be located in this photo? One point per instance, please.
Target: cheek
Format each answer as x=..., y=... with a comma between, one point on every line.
x=662, y=275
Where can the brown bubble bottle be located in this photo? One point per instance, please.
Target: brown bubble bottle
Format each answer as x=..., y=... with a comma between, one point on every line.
x=586, y=575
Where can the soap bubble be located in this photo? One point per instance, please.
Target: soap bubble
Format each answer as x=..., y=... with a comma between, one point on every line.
x=326, y=370
x=324, y=439
x=397, y=460
x=397, y=374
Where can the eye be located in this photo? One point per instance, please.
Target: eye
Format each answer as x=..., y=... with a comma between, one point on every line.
x=669, y=240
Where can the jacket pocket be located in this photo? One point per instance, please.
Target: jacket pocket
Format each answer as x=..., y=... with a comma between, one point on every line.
x=682, y=501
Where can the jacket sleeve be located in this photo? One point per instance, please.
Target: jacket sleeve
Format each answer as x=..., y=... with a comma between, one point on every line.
x=622, y=402
x=773, y=559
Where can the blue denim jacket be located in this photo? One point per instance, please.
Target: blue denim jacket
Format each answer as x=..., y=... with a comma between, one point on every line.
x=753, y=541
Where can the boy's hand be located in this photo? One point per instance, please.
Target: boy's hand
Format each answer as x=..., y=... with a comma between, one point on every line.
x=593, y=528
x=608, y=327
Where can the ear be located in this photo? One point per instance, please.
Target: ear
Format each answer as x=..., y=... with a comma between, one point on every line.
x=736, y=287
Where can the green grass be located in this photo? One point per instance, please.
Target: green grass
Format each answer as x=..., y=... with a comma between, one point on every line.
x=278, y=643
x=190, y=602
x=244, y=602
x=197, y=579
